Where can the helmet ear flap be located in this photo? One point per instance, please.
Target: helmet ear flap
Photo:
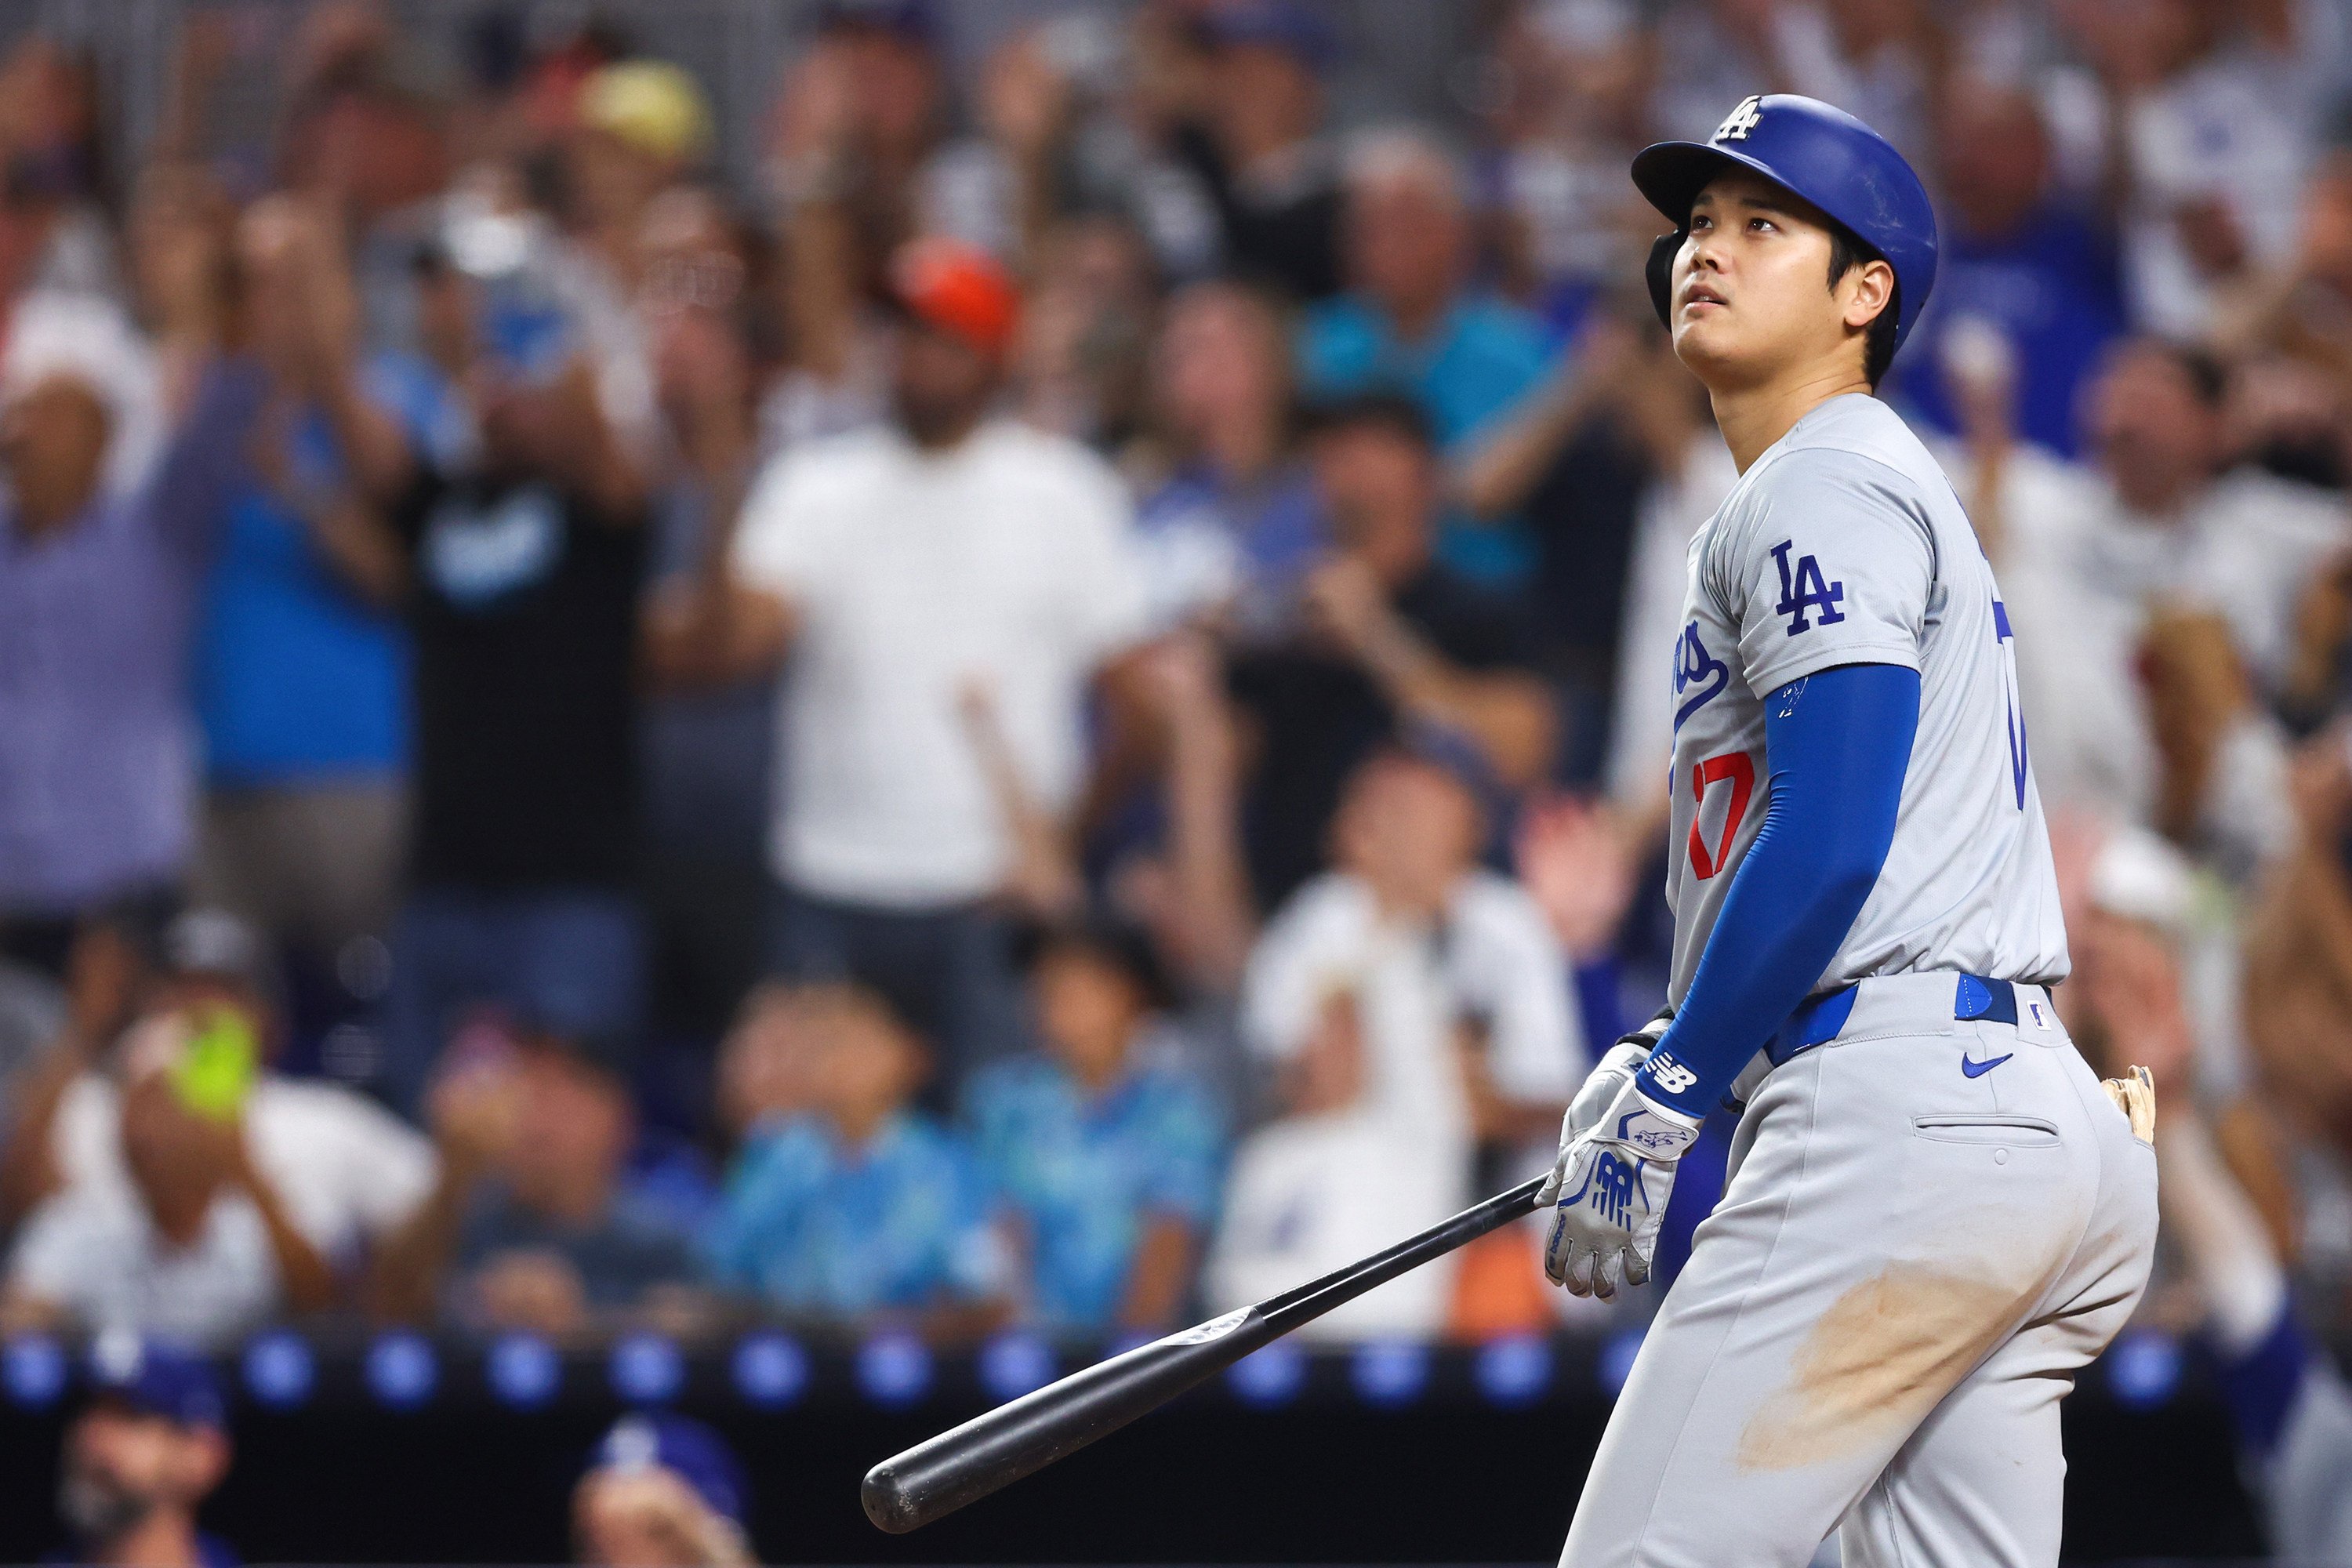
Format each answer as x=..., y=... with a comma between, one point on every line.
x=1659, y=271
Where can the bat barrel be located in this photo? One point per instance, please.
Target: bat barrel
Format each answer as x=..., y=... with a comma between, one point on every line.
x=968, y=1462
x=961, y=1466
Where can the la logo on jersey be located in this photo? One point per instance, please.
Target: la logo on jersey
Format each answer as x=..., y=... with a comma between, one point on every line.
x=1742, y=120
x=1806, y=590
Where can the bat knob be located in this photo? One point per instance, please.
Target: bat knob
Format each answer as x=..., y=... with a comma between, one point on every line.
x=888, y=1501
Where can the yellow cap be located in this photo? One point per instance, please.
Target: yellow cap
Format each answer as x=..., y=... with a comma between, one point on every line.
x=652, y=105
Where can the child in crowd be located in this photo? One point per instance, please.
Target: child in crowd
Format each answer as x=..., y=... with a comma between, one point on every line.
x=545, y=1217
x=1105, y=1145
x=858, y=1206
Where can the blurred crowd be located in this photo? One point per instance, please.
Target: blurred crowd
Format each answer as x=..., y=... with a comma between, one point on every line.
x=1054, y=711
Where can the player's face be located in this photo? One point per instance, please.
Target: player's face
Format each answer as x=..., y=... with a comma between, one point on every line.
x=1752, y=300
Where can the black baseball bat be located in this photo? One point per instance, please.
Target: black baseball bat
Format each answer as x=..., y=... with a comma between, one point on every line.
x=965, y=1464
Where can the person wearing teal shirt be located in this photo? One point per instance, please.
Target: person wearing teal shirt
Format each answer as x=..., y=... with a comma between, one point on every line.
x=1411, y=322
x=860, y=1207
x=1106, y=1147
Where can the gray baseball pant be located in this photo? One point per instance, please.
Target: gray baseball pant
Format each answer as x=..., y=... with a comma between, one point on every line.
x=1912, y=1255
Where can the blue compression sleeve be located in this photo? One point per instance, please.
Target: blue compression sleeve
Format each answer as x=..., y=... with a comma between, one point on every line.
x=1836, y=745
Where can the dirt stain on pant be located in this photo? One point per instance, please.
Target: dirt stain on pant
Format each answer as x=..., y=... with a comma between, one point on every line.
x=1877, y=1362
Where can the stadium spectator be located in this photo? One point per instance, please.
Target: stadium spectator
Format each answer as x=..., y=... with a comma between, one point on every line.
x=2290, y=1409
x=2296, y=310
x=858, y=135
x=1578, y=859
x=1884, y=62
x=1412, y=322
x=300, y=664
x=947, y=564
x=1105, y=1145
x=2017, y=256
x=1575, y=108
x=109, y=964
x=1186, y=882
x=1393, y=641
x=1231, y=527
x=704, y=751
x=1728, y=49
x=32, y=1015
x=2222, y=1179
x=1334, y=1179
x=537, y=1221
x=2211, y=111
x=2164, y=547
x=146, y=1450
x=661, y=1490
x=1076, y=113
x=862, y=1210
x=105, y=547
x=2298, y=945
x=642, y=126
x=1452, y=979
x=1580, y=460
x=1253, y=136
x=1085, y=332
x=524, y=563
x=55, y=139
x=766, y=1060
x=189, y=1190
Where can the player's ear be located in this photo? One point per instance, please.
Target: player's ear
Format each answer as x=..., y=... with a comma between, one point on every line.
x=1869, y=289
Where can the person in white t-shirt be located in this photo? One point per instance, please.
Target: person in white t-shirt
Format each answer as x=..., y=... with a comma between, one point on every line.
x=945, y=584
x=1456, y=980
x=191, y=1192
x=1336, y=1179
x=1413, y=1006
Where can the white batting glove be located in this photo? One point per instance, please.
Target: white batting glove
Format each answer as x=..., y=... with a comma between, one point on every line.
x=1614, y=1072
x=1600, y=1085
x=1608, y=1193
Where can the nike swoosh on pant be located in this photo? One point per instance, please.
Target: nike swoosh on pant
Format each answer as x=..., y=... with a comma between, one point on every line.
x=1977, y=1070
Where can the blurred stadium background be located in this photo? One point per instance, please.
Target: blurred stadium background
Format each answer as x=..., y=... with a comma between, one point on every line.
x=727, y=726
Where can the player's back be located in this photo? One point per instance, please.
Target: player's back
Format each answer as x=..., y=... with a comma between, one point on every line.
x=1844, y=544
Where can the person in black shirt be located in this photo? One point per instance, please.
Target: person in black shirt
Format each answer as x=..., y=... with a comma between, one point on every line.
x=1274, y=179
x=525, y=565
x=1389, y=641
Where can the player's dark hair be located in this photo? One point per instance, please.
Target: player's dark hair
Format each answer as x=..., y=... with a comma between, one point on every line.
x=1847, y=252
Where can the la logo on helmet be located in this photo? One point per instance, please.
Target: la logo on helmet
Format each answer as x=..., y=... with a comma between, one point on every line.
x=1741, y=120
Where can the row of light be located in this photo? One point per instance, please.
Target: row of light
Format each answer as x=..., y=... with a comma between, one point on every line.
x=895, y=1371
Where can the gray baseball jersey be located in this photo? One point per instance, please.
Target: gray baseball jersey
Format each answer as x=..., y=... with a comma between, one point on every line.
x=1843, y=543
x=1928, y=1224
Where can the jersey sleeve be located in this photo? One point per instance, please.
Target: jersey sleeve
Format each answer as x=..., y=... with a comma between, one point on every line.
x=1833, y=563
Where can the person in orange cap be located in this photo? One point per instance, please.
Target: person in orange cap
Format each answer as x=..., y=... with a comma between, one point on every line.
x=948, y=582
x=960, y=311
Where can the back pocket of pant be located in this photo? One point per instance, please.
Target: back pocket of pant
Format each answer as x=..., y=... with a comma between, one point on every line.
x=1988, y=1127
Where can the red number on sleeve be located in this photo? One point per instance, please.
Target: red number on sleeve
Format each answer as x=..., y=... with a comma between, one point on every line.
x=1732, y=765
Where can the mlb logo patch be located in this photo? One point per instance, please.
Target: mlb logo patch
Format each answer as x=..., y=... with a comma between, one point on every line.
x=2036, y=1019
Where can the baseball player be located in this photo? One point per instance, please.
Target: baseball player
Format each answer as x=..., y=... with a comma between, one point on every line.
x=1933, y=1214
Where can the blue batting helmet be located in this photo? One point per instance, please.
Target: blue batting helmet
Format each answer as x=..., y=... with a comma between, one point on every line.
x=1821, y=153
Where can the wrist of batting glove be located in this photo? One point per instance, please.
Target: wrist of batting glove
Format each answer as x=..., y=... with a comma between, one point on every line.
x=1608, y=1192
x=1600, y=1085
x=1611, y=1073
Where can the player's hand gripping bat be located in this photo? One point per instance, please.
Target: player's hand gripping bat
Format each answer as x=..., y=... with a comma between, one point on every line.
x=994, y=1450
